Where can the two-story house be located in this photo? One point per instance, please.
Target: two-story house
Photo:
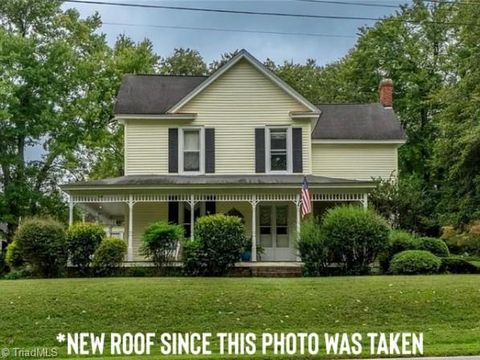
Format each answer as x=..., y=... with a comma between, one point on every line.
x=238, y=142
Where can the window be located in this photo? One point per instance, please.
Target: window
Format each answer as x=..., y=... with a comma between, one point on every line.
x=279, y=149
x=191, y=153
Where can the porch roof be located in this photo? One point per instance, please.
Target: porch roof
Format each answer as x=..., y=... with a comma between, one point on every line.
x=172, y=181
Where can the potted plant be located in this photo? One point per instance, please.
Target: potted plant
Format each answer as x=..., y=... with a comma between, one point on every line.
x=247, y=254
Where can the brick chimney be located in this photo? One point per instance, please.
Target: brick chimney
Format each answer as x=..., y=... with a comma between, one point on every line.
x=385, y=90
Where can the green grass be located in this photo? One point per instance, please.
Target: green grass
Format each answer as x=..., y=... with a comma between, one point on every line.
x=445, y=308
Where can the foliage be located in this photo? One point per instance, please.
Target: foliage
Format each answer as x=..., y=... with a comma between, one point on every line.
x=457, y=265
x=42, y=245
x=109, y=255
x=13, y=256
x=312, y=248
x=435, y=246
x=398, y=241
x=217, y=245
x=82, y=240
x=3, y=263
x=183, y=62
x=355, y=237
x=463, y=242
x=406, y=204
x=411, y=262
x=160, y=241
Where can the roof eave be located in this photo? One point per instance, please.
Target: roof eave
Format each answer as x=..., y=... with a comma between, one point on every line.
x=359, y=141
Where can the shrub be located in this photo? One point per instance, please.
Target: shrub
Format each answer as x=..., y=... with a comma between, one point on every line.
x=355, y=237
x=412, y=262
x=109, y=255
x=398, y=241
x=82, y=240
x=13, y=257
x=42, y=245
x=458, y=266
x=218, y=243
x=464, y=244
x=160, y=242
x=435, y=246
x=313, y=251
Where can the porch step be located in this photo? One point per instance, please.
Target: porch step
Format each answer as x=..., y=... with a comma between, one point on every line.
x=267, y=271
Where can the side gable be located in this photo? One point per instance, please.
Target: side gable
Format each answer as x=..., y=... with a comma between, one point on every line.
x=245, y=56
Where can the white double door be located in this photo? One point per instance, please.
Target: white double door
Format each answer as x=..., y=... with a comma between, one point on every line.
x=274, y=231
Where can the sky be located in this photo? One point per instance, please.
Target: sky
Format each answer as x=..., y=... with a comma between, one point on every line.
x=140, y=23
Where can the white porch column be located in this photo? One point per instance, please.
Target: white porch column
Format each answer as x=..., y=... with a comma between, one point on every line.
x=298, y=205
x=130, y=228
x=254, y=203
x=70, y=210
x=192, y=215
x=365, y=201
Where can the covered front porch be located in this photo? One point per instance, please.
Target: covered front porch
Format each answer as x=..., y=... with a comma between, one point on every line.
x=271, y=214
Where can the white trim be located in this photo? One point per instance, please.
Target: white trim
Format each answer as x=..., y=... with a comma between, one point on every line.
x=298, y=115
x=355, y=141
x=186, y=116
x=125, y=147
x=181, y=152
x=268, y=164
x=243, y=54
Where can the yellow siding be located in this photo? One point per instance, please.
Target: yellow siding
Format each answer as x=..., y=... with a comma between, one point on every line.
x=360, y=162
x=235, y=104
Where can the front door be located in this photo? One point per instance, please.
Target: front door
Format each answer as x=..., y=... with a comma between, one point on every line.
x=274, y=233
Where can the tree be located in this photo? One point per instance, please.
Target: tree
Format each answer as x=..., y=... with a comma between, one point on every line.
x=127, y=57
x=457, y=147
x=183, y=62
x=48, y=92
x=224, y=58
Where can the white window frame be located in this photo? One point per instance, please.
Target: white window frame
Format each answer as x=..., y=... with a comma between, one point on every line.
x=268, y=165
x=201, y=131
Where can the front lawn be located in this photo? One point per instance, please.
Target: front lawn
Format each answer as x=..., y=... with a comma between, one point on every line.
x=445, y=307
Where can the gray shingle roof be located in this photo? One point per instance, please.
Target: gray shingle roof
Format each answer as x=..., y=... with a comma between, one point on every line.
x=153, y=94
x=172, y=180
x=358, y=122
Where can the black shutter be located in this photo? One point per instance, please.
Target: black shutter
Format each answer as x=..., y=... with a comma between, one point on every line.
x=297, y=150
x=209, y=151
x=173, y=212
x=173, y=150
x=210, y=207
x=260, y=150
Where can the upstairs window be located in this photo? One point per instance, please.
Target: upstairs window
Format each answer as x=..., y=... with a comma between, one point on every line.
x=279, y=150
x=191, y=154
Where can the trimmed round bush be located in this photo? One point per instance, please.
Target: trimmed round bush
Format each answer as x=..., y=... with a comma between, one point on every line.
x=455, y=265
x=160, y=242
x=355, y=237
x=42, y=245
x=82, y=241
x=398, y=241
x=312, y=248
x=411, y=262
x=13, y=256
x=219, y=241
x=437, y=247
x=109, y=255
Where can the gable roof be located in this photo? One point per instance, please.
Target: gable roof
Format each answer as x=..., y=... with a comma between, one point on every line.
x=153, y=94
x=244, y=54
x=357, y=122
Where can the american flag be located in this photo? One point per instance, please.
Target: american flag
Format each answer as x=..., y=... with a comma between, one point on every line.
x=306, y=199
